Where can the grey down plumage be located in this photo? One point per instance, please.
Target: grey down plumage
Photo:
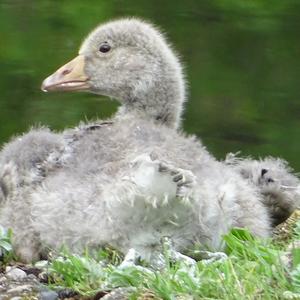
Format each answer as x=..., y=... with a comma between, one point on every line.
x=130, y=180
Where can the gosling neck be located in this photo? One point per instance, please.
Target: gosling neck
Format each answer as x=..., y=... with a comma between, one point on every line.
x=162, y=103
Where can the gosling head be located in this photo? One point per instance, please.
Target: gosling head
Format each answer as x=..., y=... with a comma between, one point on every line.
x=128, y=60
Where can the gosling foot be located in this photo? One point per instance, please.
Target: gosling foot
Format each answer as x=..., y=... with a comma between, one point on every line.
x=160, y=179
x=160, y=260
x=131, y=260
x=185, y=180
x=208, y=257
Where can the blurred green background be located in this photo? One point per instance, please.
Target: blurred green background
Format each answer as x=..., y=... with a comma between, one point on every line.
x=242, y=62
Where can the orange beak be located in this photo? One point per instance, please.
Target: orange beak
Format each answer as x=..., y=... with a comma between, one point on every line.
x=70, y=77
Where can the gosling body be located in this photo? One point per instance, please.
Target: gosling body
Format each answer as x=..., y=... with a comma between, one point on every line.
x=130, y=180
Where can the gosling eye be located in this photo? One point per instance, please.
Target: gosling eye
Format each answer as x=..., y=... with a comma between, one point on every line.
x=104, y=48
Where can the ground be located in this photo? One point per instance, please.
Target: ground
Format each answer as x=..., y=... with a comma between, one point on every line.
x=252, y=269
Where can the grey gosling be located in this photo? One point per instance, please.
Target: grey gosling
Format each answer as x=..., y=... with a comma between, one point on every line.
x=128, y=181
x=275, y=181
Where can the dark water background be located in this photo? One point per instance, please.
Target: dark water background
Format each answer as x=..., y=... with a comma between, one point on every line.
x=242, y=61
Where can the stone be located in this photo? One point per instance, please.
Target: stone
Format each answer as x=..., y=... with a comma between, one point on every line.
x=20, y=289
x=119, y=294
x=42, y=264
x=32, y=277
x=48, y=295
x=16, y=274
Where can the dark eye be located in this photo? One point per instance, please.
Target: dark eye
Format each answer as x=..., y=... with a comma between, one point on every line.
x=105, y=47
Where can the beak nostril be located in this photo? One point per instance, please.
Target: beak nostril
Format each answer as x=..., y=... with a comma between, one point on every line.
x=70, y=77
x=66, y=72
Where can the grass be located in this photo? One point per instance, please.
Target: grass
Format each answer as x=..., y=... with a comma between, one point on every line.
x=6, y=249
x=253, y=270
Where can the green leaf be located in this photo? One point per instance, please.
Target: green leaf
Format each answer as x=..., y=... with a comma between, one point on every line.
x=5, y=245
x=296, y=257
